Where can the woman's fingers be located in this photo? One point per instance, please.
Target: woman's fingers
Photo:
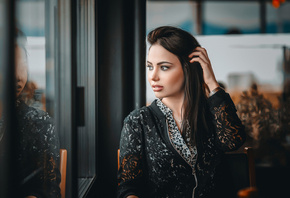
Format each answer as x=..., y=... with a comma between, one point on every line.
x=200, y=55
x=198, y=49
x=207, y=69
x=200, y=60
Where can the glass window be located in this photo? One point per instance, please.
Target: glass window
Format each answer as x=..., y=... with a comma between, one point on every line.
x=3, y=73
x=278, y=19
x=218, y=17
x=3, y=62
x=230, y=17
x=86, y=82
x=176, y=13
x=38, y=149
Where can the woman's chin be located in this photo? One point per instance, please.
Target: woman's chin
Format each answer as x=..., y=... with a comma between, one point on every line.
x=18, y=93
x=158, y=95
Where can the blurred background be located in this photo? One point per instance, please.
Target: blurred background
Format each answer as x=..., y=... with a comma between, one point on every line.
x=247, y=42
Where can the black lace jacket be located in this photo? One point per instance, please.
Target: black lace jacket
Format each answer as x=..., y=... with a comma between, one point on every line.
x=151, y=167
x=38, y=153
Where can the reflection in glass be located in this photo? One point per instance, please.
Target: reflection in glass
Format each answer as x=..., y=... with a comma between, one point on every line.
x=38, y=148
x=3, y=59
x=2, y=63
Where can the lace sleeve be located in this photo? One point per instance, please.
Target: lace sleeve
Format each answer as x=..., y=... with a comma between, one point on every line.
x=40, y=151
x=130, y=172
x=51, y=174
x=230, y=133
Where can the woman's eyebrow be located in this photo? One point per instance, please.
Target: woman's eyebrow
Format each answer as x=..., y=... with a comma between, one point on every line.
x=160, y=63
x=149, y=62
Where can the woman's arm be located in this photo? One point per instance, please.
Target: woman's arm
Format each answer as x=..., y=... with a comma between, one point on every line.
x=51, y=150
x=40, y=148
x=229, y=130
x=230, y=133
x=130, y=172
x=47, y=183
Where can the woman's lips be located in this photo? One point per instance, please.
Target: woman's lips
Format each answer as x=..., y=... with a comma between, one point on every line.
x=18, y=88
x=157, y=88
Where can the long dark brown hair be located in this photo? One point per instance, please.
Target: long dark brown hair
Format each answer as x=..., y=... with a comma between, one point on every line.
x=182, y=43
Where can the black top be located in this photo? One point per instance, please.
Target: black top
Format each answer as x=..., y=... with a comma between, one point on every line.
x=151, y=167
x=37, y=152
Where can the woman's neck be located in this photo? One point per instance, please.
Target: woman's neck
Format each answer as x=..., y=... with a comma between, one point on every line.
x=176, y=105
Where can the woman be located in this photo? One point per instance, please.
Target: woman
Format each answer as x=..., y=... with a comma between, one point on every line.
x=37, y=142
x=172, y=147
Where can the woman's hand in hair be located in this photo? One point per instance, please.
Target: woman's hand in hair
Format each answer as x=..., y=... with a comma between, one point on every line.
x=200, y=55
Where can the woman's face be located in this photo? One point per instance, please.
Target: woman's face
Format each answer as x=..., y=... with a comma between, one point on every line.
x=165, y=73
x=20, y=70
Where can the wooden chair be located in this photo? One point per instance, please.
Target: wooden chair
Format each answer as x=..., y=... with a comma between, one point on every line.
x=251, y=165
x=62, y=169
x=250, y=192
x=236, y=172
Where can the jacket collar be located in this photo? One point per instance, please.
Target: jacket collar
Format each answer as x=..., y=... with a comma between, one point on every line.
x=163, y=129
x=156, y=110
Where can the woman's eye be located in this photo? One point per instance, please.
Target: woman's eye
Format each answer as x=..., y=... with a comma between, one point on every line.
x=149, y=67
x=164, y=68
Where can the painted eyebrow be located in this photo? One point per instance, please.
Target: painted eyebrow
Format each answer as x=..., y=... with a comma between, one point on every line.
x=160, y=63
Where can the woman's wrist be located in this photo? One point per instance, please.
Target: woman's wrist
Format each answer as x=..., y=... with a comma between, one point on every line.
x=212, y=86
x=214, y=91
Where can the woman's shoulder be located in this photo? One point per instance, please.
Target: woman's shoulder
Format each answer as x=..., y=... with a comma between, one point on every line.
x=138, y=115
x=33, y=115
x=35, y=123
x=37, y=114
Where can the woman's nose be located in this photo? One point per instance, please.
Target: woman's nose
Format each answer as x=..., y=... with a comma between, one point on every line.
x=17, y=77
x=154, y=75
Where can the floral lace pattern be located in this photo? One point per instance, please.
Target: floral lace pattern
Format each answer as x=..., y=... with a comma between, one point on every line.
x=229, y=135
x=129, y=167
x=130, y=164
x=38, y=152
x=152, y=166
